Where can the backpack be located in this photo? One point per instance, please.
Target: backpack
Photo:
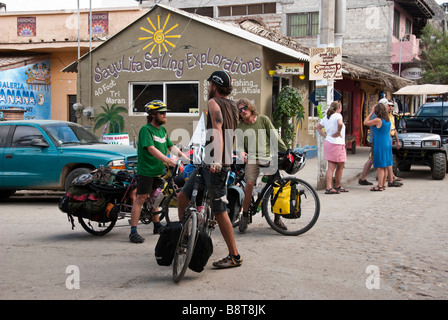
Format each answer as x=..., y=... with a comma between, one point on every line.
x=82, y=201
x=286, y=200
x=202, y=252
x=166, y=245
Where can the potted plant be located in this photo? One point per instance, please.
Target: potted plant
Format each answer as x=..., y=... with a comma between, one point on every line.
x=288, y=105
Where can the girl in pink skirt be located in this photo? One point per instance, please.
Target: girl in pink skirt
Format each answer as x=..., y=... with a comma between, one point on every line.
x=334, y=146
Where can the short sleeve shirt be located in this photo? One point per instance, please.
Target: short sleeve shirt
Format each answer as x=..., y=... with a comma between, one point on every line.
x=147, y=164
x=331, y=127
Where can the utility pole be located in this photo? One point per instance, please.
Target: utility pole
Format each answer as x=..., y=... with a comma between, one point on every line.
x=325, y=39
x=331, y=29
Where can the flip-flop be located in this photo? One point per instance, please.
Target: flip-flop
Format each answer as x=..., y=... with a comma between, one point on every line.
x=341, y=189
x=331, y=191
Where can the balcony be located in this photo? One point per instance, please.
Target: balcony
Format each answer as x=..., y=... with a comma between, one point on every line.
x=410, y=49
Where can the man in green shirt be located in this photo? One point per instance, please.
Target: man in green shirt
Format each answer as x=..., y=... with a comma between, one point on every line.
x=152, y=149
x=255, y=149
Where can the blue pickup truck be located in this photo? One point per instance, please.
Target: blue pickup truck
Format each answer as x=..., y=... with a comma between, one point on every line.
x=50, y=154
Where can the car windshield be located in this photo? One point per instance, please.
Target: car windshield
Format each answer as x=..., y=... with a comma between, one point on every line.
x=432, y=111
x=70, y=133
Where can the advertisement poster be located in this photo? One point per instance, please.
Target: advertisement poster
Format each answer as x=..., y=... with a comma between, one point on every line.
x=326, y=63
x=26, y=26
x=27, y=88
x=100, y=23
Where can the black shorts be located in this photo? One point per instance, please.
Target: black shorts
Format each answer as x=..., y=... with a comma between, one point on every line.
x=216, y=185
x=145, y=185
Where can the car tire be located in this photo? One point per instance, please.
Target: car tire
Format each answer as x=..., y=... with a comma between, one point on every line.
x=438, y=169
x=4, y=194
x=73, y=175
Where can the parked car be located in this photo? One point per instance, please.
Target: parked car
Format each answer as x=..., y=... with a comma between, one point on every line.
x=50, y=154
x=425, y=140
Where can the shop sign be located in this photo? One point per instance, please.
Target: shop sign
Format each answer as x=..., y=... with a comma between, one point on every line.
x=412, y=73
x=116, y=138
x=326, y=63
x=290, y=68
x=27, y=88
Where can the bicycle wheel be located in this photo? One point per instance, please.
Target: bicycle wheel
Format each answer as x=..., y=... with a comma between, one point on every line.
x=96, y=228
x=169, y=207
x=309, y=210
x=185, y=246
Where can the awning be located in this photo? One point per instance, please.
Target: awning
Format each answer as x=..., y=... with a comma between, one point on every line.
x=423, y=89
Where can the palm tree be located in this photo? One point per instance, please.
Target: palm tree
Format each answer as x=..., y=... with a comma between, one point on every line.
x=111, y=116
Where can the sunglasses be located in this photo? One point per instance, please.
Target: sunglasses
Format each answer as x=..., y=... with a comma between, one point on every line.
x=243, y=108
x=162, y=112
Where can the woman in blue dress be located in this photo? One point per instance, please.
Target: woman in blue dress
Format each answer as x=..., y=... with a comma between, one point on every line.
x=382, y=145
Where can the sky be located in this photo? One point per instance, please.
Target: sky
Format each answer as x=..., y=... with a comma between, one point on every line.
x=30, y=5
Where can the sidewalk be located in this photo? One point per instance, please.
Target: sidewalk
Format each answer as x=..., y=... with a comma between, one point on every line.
x=352, y=171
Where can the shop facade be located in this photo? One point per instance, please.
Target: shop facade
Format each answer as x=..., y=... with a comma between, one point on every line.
x=168, y=54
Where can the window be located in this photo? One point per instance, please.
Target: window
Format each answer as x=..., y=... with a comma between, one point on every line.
x=180, y=97
x=397, y=24
x=250, y=9
x=408, y=27
x=24, y=135
x=303, y=24
x=3, y=135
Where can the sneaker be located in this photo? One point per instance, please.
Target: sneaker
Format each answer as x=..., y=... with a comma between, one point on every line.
x=244, y=222
x=158, y=230
x=136, y=238
x=364, y=182
x=279, y=223
x=228, y=262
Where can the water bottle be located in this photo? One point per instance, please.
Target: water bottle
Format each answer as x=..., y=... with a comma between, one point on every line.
x=157, y=197
x=201, y=214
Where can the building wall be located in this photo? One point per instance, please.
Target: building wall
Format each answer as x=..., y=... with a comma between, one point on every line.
x=198, y=47
x=57, y=35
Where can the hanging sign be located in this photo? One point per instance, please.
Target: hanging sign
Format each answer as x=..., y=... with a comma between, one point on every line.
x=326, y=63
x=290, y=68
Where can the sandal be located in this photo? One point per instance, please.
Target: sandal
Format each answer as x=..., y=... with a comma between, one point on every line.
x=397, y=178
x=395, y=183
x=331, y=191
x=377, y=188
x=341, y=189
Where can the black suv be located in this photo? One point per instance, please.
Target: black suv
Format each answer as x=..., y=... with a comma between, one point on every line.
x=424, y=141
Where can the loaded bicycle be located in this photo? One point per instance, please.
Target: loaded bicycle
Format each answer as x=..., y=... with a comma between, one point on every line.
x=102, y=198
x=290, y=205
x=197, y=221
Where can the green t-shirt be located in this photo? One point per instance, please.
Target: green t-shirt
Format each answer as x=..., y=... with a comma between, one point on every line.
x=147, y=164
x=257, y=138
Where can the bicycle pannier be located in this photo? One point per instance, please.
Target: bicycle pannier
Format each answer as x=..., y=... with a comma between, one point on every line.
x=286, y=200
x=166, y=245
x=202, y=252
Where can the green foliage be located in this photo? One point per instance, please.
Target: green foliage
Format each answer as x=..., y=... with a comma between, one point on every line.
x=288, y=106
x=434, y=55
x=112, y=116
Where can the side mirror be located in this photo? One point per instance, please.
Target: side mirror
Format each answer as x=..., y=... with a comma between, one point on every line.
x=39, y=143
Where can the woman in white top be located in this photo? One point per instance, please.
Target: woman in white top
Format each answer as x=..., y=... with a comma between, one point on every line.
x=334, y=146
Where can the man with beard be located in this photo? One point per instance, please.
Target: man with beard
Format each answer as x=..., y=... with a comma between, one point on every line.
x=255, y=149
x=152, y=149
x=222, y=119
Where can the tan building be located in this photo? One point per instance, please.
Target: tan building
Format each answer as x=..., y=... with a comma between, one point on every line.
x=45, y=42
x=168, y=54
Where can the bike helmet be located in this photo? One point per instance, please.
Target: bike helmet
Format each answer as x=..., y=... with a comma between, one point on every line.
x=292, y=162
x=155, y=106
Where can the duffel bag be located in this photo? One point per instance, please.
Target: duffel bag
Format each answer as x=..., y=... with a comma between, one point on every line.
x=166, y=245
x=202, y=252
